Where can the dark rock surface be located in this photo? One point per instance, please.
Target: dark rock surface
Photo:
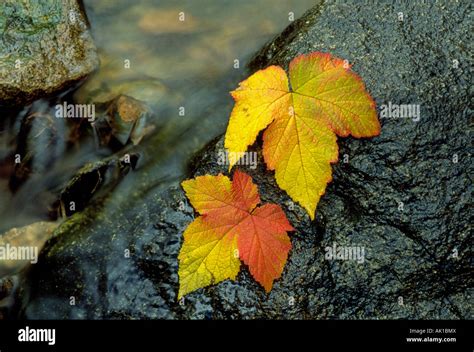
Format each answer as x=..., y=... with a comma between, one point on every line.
x=403, y=196
x=93, y=180
x=45, y=47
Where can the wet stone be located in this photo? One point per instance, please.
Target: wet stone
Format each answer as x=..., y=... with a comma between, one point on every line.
x=45, y=47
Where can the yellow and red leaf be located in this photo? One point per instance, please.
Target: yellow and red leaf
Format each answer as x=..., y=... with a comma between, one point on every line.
x=326, y=99
x=232, y=226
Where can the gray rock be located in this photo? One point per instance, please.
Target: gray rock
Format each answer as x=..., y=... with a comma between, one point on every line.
x=19, y=246
x=45, y=47
x=403, y=197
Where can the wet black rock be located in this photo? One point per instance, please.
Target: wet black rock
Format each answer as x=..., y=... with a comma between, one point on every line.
x=92, y=180
x=403, y=197
x=41, y=141
x=114, y=262
x=45, y=47
x=7, y=288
